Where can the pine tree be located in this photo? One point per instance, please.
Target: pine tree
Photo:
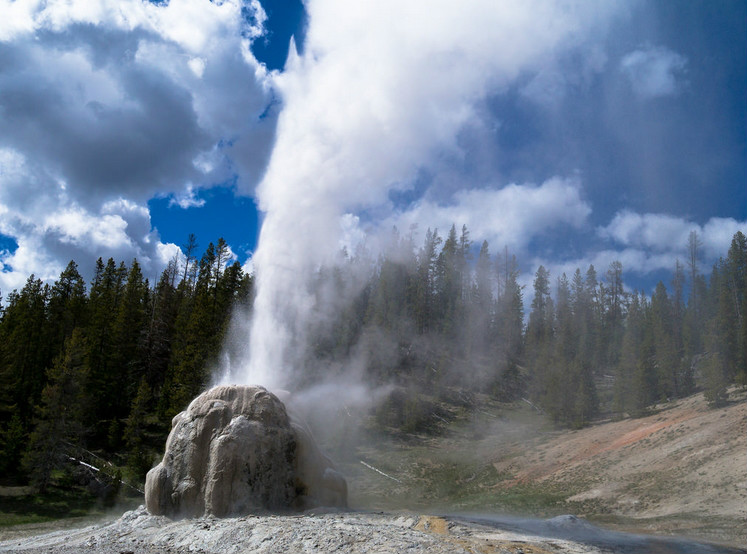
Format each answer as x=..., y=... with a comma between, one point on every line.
x=666, y=360
x=139, y=459
x=424, y=287
x=628, y=362
x=103, y=383
x=686, y=383
x=565, y=327
x=67, y=307
x=593, y=342
x=125, y=362
x=448, y=286
x=60, y=422
x=24, y=352
x=539, y=328
x=13, y=439
x=197, y=340
x=481, y=303
x=160, y=327
x=614, y=313
x=715, y=379
x=559, y=374
x=188, y=250
x=694, y=315
x=509, y=332
x=722, y=338
x=645, y=378
x=736, y=285
x=539, y=336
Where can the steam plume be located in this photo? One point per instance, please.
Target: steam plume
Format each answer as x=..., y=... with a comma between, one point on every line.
x=382, y=91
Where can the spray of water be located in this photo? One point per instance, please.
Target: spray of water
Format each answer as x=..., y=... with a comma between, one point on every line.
x=381, y=93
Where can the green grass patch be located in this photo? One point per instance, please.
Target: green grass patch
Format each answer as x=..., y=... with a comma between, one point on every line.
x=526, y=500
x=56, y=503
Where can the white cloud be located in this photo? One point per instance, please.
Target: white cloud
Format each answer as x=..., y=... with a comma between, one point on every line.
x=662, y=233
x=108, y=103
x=509, y=216
x=654, y=71
x=17, y=18
x=717, y=234
x=121, y=229
x=75, y=226
x=187, y=198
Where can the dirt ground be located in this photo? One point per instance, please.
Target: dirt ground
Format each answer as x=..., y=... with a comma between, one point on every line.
x=681, y=470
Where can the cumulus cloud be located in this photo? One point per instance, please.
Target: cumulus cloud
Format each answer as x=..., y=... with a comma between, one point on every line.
x=654, y=71
x=511, y=216
x=50, y=228
x=662, y=233
x=107, y=104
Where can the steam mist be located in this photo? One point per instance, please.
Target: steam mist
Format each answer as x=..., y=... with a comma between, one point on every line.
x=380, y=95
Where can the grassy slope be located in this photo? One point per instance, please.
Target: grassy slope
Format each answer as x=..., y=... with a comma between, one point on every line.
x=19, y=506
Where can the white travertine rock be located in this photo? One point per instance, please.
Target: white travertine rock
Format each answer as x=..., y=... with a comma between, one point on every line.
x=236, y=451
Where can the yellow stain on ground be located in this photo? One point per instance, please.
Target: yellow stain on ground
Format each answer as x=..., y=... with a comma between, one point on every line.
x=439, y=526
x=433, y=524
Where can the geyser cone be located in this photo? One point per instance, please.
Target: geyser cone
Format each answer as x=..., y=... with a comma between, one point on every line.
x=235, y=451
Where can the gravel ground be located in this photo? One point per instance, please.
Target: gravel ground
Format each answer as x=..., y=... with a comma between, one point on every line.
x=137, y=532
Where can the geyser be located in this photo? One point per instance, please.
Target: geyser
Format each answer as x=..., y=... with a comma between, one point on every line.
x=235, y=450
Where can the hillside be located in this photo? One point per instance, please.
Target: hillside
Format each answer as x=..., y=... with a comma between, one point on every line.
x=681, y=470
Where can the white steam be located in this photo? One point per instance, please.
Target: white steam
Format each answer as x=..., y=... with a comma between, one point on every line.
x=382, y=91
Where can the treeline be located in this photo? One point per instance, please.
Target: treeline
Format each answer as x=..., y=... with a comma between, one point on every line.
x=102, y=369
x=431, y=316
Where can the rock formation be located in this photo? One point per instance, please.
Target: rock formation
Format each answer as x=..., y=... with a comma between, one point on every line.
x=236, y=451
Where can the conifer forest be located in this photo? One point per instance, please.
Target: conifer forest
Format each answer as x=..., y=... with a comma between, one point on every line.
x=101, y=367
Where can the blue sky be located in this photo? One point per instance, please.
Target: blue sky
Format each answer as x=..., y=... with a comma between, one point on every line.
x=572, y=133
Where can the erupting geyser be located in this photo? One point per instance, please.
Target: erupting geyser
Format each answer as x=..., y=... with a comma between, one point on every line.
x=235, y=450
